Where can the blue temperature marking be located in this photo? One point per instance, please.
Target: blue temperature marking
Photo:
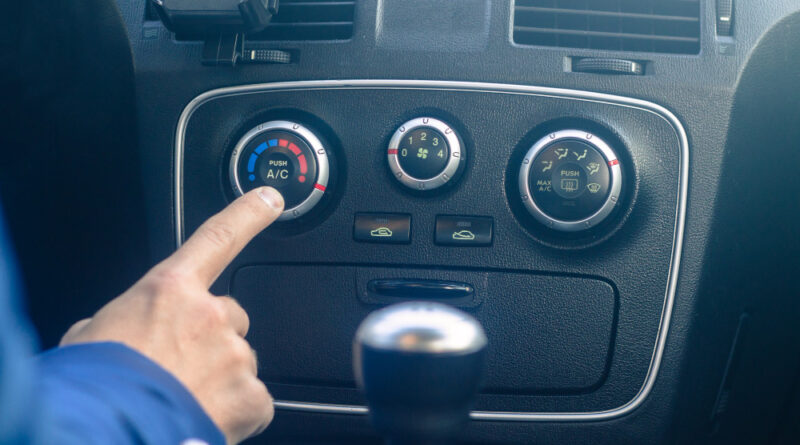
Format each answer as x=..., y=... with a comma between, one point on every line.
x=273, y=142
x=251, y=163
x=260, y=149
x=252, y=177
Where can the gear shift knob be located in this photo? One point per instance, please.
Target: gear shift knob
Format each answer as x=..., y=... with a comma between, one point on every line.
x=420, y=365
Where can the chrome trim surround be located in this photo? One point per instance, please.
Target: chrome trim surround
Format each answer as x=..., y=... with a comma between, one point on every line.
x=484, y=87
x=592, y=220
x=454, y=158
x=320, y=157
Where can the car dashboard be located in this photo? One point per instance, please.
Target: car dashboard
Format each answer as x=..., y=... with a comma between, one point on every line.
x=609, y=187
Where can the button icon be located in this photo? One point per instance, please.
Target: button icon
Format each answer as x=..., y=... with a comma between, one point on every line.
x=422, y=153
x=463, y=231
x=593, y=167
x=593, y=187
x=387, y=228
x=562, y=152
x=464, y=235
x=581, y=156
x=547, y=165
x=381, y=232
x=569, y=185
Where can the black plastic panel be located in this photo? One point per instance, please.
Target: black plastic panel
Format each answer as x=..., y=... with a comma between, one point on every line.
x=362, y=120
x=529, y=319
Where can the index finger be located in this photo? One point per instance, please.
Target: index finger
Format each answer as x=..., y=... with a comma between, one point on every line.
x=218, y=240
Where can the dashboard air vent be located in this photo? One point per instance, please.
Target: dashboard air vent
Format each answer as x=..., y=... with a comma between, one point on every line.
x=310, y=20
x=663, y=26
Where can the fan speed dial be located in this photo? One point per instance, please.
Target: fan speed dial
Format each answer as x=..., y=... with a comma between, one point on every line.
x=425, y=154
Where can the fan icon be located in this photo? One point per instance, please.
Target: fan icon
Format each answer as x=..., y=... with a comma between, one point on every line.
x=422, y=153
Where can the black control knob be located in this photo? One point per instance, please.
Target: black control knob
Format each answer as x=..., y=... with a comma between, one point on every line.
x=425, y=154
x=284, y=155
x=420, y=365
x=570, y=180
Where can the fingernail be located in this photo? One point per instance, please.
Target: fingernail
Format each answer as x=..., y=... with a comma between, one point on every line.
x=271, y=196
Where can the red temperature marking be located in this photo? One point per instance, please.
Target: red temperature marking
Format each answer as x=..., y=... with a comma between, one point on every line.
x=392, y=151
x=319, y=187
x=303, y=164
x=283, y=142
x=301, y=178
x=294, y=149
x=613, y=163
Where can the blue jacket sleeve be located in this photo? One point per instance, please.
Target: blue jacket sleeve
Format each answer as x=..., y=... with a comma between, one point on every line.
x=97, y=393
x=107, y=393
x=17, y=401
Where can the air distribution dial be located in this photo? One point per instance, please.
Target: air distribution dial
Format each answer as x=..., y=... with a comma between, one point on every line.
x=425, y=154
x=570, y=180
x=284, y=155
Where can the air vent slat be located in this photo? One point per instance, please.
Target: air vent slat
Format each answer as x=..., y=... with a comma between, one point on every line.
x=616, y=35
x=307, y=24
x=669, y=26
x=310, y=20
x=586, y=12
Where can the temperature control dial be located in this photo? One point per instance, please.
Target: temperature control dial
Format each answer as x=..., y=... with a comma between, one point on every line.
x=570, y=180
x=284, y=155
x=425, y=154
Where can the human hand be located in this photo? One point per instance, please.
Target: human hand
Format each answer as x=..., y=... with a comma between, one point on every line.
x=170, y=317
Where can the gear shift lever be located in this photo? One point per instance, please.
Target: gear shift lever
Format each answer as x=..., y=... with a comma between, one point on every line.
x=419, y=365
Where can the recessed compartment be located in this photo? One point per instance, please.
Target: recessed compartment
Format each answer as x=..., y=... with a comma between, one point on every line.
x=547, y=334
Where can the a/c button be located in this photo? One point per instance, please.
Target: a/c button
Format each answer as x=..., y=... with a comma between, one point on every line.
x=454, y=230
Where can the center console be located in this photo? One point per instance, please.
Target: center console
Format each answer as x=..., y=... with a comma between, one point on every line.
x=398, y=189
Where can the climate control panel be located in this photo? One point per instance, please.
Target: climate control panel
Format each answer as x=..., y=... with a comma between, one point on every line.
x=287, y=156
x=561, y=205
x=569, y=180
